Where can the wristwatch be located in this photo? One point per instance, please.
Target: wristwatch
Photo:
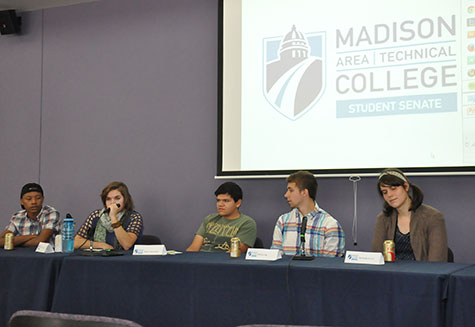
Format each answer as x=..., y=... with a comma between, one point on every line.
x=116, y=224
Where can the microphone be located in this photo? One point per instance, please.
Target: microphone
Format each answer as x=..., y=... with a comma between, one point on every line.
x=303, y=229
x=303, y=256
x=109, y=209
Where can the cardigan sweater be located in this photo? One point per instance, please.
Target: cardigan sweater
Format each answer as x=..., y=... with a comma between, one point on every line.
x=428, y=233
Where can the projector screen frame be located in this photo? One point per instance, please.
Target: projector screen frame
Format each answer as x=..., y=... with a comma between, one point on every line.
x=256, y=174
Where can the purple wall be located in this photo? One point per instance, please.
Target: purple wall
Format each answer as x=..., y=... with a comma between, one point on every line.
x=127, y=90
x=20, y=112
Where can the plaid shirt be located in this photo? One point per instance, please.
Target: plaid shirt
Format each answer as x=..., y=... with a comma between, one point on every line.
x=48, y=218
x=135, y=224
x=323, y=236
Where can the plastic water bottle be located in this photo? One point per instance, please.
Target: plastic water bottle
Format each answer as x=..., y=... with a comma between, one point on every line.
x=68, y=234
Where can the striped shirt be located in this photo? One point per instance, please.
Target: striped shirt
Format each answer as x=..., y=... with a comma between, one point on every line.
x=323, y=236
x=48, y=218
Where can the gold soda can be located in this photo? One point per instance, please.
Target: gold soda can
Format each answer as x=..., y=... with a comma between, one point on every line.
x=8, y=241
x=389, y=250
x=235, y=251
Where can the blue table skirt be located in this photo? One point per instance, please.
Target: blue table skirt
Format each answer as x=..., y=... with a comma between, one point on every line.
x=403, y=293
x=461, y=304
x=27, y=281
x=193, y=289
x=209, y=289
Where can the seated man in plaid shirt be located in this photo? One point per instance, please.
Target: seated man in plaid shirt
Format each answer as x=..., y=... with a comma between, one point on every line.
x=323, y=236
x=35, y=223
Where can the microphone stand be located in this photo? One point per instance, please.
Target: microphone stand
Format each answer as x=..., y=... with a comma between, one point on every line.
x=303, y=255
x=90, y=251
x=90, y=236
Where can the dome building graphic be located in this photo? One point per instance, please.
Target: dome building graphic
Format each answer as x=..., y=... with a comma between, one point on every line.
x=294, y=45
x=294, y=80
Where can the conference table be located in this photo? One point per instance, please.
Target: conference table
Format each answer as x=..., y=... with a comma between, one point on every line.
x=27, y=280
x=461, y=304
x=213, y=289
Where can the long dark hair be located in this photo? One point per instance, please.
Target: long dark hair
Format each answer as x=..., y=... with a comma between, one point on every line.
x=395, y=177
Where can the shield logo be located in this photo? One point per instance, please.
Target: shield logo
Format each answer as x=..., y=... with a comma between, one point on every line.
x=294, y=72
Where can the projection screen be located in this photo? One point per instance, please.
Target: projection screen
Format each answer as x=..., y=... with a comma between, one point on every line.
x=346, y=87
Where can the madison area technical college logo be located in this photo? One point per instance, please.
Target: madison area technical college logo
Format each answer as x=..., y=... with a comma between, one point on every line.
x=294, y=72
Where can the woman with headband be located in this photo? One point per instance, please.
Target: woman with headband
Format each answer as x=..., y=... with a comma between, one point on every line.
x=418, y=230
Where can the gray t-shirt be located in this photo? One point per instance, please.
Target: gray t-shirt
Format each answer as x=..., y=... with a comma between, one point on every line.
x=218, y=231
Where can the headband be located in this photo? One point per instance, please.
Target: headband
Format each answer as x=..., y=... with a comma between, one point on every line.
x=393, y=173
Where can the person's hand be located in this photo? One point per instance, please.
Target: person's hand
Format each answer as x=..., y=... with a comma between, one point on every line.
x=114, y=210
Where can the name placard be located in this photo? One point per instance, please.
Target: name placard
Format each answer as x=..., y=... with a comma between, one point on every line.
x=44, y=247
x=366, y=258
x=155, y=249
x=263, y=254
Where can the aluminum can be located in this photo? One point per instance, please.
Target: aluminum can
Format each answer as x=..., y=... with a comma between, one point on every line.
x=8, y=241
x=389, y=250
x=235, y=251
